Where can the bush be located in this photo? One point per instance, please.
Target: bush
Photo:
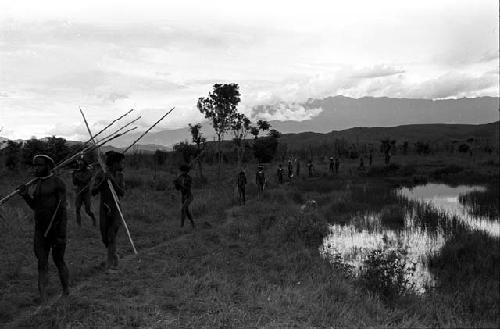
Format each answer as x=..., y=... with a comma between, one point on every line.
x=385, y=272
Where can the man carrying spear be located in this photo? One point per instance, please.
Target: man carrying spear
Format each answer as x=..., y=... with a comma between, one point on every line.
x=81, y=180
x=49, y=205
x=109, y=214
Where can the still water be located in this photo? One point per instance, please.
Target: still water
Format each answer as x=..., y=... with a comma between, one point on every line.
x=368, y=231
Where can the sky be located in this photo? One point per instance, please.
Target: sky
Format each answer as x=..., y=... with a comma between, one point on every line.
x=107, y=57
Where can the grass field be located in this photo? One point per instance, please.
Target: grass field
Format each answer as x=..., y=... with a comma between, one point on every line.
x=253, y=266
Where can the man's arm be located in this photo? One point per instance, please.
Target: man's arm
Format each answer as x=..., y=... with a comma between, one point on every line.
x=23, y=192
x=98, y=181
x=119, y=184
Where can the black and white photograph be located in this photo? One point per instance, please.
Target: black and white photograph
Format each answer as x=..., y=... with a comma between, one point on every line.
x=249, y=164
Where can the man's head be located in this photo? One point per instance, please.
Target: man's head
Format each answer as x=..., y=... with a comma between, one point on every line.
x=114, y=160
x=43, y=164
x=260, y=167
x=82, y=164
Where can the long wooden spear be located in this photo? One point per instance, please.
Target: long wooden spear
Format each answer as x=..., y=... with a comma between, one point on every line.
x=109, y=125
x=110, y=185
x=147, y=130
x=66, y=161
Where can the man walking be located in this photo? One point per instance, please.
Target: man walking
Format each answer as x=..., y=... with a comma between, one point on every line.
x=241, y=181
x=81, y=179
x=49, y=205
x=260, y=180
x=109, y=215
x=183, y=184
x=280, y=174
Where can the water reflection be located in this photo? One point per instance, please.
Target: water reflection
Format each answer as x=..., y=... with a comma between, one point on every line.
x=455, y=201
x=397, y=228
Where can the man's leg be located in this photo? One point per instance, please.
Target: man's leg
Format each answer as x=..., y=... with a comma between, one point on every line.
x=58, y=249
x=183, y=212
x=42, y=249
x=112, y=233
x=187, y=212
x=78, y=206
x=88, y=209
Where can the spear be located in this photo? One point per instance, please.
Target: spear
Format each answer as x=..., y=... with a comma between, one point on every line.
x=68, y=160
x=109, y=125
x=147, y=130
x=110, y=186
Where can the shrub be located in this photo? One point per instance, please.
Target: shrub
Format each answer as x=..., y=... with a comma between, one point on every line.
x=385, y=272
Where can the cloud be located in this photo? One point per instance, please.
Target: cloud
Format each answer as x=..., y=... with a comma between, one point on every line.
x=284, y=111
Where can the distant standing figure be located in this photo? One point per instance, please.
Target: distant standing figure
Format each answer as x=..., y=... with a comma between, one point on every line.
x=81, y=179
x=109, y=215
x=260, y=180
x=280, y=174
x=49, y=205
x=387, y=157
x=331, y=166
x=183, y=184
x=361, y=164
x=297, y=168
x=310, y=167
x=242, y=181
x=290, y=170
x=337, y=165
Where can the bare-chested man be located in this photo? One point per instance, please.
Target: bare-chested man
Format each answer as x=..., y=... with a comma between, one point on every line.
x=81, y=179
x=48, y=202
x=109, y=215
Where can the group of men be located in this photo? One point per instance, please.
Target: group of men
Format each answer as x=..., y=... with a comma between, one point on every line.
x=48, y=202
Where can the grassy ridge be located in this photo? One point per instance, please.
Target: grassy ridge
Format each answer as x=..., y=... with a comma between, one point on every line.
x=252, y=266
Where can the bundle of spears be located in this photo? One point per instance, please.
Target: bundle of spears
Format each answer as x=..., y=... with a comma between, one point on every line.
x=94, y=144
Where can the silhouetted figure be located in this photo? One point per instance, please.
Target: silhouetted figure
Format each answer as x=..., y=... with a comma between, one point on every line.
x=260, y=180
x=361, y=164
x=81, y=179
x=183, y=184
x=297, y=168
x=331, y=166
x=310, y=168
x=49, y=205
x=109, y=215
x=337, y=165
x=290, y=170
x=279, y=172
x=242, y=181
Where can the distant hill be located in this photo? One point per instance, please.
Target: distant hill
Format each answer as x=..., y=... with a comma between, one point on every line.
x=341, y=112
x=411, y=133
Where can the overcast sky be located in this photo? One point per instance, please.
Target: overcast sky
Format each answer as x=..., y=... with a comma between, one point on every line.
x=109, y=56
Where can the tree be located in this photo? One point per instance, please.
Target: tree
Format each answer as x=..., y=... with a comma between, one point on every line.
x=199, y=140
x=220, y=108
x=240, y=127
x=262, y=125
x=265, y=148
x=186, y=150
x=11, y=152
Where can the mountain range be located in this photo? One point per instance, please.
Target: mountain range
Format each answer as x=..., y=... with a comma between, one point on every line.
x=340, y=113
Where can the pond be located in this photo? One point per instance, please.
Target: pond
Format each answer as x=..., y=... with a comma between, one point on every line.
x=406, y=228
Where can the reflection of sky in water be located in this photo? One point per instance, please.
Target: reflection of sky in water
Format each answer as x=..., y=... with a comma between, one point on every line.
x=446, y=198
x=365, y=233
x=353, y=246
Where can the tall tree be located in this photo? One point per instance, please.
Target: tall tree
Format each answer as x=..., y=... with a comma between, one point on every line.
x=220, y=107
x=199, y=140
x=241, y=127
